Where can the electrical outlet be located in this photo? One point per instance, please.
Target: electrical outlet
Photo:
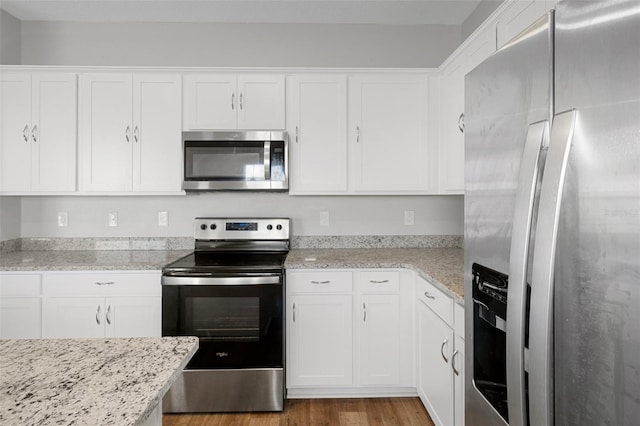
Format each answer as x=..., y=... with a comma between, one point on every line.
x=113, y=219
x=163, y=218
x=63, y=219
x=409, y=218
x=324, y=218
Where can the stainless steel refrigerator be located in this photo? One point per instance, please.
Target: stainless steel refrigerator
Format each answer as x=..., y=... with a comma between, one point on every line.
x=552, y=222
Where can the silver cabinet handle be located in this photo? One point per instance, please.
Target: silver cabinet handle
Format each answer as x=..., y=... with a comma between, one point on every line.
x=378, y=282
x=357, y=134
x=136, y=134
x=108, y=315
x=98, y=315
x=364, y=310
x=429, y=295
x=294, y=312
x=516, y=299
x=453, y=364
x=461, y=122
x=105, y=282
x=233, y=101
x=542, y=276
x=127, y=133
x=444, y=343
x=297, y=133
x=25, y=133
x=34, y=133
x=320, y=282
x=241, y=96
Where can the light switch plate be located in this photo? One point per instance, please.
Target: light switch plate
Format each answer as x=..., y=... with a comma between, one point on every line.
x=63, y=219
x=163, y=218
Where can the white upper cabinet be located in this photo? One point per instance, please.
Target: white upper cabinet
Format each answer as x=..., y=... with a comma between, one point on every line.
x=129, y=129
x=388, y=133
x=229, y=101
x=38, y=132
x=517, y=16
x=317, y=127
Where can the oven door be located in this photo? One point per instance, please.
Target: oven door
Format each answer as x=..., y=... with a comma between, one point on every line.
x=239, y=320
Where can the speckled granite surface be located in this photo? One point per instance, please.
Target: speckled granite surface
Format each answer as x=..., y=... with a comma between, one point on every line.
x=441, y=266
x=88, y=381
x=107, y=243
x=376, y=241
x=103, y=260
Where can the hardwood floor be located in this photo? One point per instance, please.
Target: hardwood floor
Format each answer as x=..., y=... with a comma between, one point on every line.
x=312, y=412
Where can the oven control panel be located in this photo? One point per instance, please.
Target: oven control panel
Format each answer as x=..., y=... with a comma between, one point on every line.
x=211, y=228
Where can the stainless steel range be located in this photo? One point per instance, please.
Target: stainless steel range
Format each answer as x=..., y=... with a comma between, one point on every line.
x=229, y=293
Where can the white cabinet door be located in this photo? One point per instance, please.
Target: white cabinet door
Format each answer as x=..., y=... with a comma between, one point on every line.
x=457, y=365
x=518, y=17
x=105, y=131
x=133, y=317
x=379, y=346
x=38, y=132
x=15, y=132
x=210, y=101
x=261, y=102
x=388, y=133
x=157, y=132
x=20, y=318
x=320, y=340
x=229, y=101
x=435, y=379
x=451, y=145
x=71, y=317
x=53, y=132
x=317, y=126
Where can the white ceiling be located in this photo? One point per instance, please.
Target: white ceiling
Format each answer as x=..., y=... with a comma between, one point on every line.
x=398, y=12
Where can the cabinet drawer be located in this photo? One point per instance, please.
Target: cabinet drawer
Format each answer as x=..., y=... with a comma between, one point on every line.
x=19, y=285
x=379, y=281
x=319, y=282
x=435, y=299
x=102, y=284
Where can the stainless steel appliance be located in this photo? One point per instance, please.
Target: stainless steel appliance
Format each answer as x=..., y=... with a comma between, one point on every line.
x=229, y=293
x=552, y=222
x=255, y=161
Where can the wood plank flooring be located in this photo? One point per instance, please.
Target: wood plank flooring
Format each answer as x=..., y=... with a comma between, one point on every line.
x=319, y=412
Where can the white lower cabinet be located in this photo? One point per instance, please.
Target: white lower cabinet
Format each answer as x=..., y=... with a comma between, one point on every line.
x=20, y=306
x=440, y=356
x=101, y=305
x=349, y=333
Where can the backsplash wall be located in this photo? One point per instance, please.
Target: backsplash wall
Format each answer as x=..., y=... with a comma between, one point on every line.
x=138, y=216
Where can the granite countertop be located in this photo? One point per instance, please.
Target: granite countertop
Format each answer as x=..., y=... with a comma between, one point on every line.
x=443, y=267
x=87, y=260
x=88, y=381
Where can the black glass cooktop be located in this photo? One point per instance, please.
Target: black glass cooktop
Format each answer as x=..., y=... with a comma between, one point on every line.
x=228, y=261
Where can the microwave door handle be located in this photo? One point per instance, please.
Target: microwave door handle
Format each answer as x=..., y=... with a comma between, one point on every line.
x=267, y=160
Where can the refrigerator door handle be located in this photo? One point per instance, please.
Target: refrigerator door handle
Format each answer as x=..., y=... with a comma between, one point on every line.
x=542, y=280
x=517, y=295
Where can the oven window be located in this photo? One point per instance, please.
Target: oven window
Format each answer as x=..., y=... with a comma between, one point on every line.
x=223, y=318
x=225, y=161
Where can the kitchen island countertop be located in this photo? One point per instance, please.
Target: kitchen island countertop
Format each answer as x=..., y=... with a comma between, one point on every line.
x=88, y=381
x=443, y=267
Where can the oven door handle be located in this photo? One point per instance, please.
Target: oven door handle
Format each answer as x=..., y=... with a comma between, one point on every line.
x=191, y=280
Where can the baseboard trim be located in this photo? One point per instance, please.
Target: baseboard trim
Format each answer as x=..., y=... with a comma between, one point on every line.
x=301, y=393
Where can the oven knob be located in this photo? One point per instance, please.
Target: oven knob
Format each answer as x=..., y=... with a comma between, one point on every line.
x=279, y=227
x=269, y=227
x=203, y=226
x=213, y=226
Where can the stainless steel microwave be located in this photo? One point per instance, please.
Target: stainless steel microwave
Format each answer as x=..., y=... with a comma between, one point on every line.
x=218, y=161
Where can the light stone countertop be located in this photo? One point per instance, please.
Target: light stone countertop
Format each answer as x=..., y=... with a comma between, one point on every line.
x=443, y=267
x=88, y=260
x=88, y=381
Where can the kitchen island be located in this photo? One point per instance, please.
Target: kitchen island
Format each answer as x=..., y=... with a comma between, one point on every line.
x=89, y=381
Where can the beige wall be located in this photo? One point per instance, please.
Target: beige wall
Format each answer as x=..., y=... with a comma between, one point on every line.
x=237, y=45
x=10, y=39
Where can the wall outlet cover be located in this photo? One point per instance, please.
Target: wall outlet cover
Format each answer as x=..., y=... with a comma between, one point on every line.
x=163, y=218
x=113, y=219
x=324, y=218
x=63, y=219
x=409, y=217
